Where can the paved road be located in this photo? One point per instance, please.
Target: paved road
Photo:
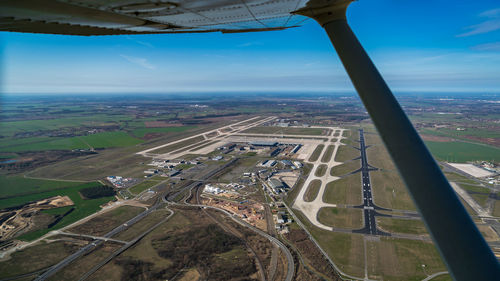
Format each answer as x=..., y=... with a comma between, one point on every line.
x=201, y=134
x=289, y=257
x=168, y=199
x=93, y=245
x=124, y=247
x=430, y=277
x=176, y=153
x=299, y=222
x=203, y=178
x=368, y=205
x=90, y=236
x=272, y=230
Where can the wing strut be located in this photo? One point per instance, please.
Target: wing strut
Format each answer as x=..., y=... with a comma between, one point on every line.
x=463, y=248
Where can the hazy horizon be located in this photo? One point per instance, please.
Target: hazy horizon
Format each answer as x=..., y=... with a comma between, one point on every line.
x=416, y=48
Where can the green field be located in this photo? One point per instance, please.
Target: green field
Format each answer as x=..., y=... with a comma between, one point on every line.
x=377, y=153
x=459, y=178
x=402, y=225
x=99, y=140
x=481, y=199
x=389, y=191
x=341, y=217
x=110, y=139
x=37, y=257
x=475, y=188
x=17, y=185
x=141, y=132
x=388, y=259
x=312, y=190
x=452, y=132
x=496, y=208
x=82, y=207
x=402, y=259
x=345, y=168
x=327, y=156
x=316, y=153
x=346, y=250
x=463, y=151
x=345, y=153
x=321, y=170
x=41, y=144
x=8, y=129
x=344, y=191
x=136, y=189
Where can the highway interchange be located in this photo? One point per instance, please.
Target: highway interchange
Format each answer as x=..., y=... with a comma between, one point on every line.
x=94, y=244
x=368, y=207
x=165, y=200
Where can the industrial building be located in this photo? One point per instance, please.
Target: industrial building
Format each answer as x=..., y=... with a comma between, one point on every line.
x=288, y=163
x=296, y=148
x=298, y=164
x=268, y=163
x=276, y=185
x=173, y=173
x=263, y=143
x=212, y=189
x=275, y=152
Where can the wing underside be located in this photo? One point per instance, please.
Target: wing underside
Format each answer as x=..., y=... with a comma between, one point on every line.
x=99, y=17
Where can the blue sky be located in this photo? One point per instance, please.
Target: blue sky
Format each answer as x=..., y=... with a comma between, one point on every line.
x=425, y=45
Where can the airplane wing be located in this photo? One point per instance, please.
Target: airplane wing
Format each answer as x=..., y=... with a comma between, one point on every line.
x=99, y=17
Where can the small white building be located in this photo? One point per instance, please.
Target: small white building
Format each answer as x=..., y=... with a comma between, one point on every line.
x=212, y=189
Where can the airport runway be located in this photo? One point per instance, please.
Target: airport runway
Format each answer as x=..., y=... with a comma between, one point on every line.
x=368, y=205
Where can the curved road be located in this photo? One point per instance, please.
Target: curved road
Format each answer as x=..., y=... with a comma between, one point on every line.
x=289, y=257
x=430, y=277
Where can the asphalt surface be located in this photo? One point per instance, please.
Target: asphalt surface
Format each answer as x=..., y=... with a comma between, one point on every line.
x=92, y=237
x=290, y=260
x=368, y=205
x=93, y=245
x=338, y=269
x=124, y=248
x=288, y=254
x=172, y=196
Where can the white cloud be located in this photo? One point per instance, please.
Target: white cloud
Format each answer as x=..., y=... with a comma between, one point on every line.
x=139, y=61
x=490, y=25
x=491, y=47
x=249, y=44
x=484, y=27
x=493, y=13
x=147, y=44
